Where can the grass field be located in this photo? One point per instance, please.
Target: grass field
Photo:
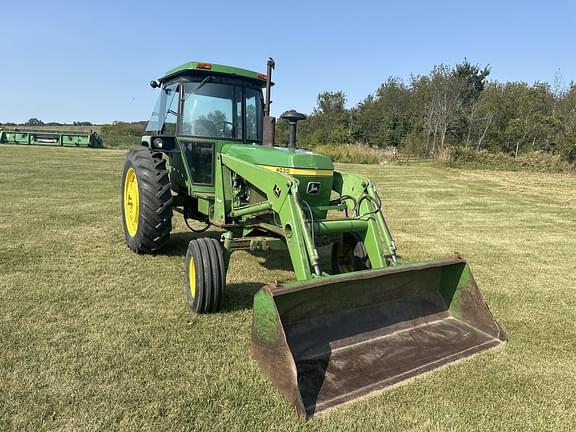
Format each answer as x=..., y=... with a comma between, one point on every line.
x=94, y=337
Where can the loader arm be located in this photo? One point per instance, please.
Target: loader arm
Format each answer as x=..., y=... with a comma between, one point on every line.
x=365, y=204
x=282, y=195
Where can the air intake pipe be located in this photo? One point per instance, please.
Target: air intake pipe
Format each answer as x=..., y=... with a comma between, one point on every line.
x=293, y=118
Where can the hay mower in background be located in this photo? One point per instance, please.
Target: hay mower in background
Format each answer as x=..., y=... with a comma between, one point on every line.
x=334, y=334
x=62, y=139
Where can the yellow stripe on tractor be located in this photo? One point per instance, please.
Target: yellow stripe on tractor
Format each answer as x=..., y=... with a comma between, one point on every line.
x=298, y=171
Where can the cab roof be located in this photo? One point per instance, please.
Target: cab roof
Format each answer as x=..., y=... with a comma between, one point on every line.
x=214, y=68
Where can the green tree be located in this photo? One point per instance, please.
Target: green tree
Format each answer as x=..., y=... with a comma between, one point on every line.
x=329, y=122
x=34, y=122
x=522, y=117
x=472, y=81
x=439, y=95
x=384, y=119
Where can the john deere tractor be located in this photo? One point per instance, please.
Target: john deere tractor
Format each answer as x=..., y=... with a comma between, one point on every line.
x=337, y=332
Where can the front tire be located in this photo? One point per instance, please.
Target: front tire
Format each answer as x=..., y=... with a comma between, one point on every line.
x=205, y=275
x=146, y=201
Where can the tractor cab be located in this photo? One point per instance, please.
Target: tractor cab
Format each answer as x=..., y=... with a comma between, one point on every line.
x=209, y=102
x=202, y=107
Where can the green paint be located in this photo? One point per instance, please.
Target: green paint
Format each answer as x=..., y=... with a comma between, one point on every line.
x=279, y=157
x=192, y=66
x=455, y=279
x=266, y=327
x=62, y=139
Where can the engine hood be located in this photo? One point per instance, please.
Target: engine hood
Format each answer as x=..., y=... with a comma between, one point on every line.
x=280, y=157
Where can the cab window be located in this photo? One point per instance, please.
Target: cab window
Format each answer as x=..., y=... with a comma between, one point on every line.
x=254, y=105
x=211, y=110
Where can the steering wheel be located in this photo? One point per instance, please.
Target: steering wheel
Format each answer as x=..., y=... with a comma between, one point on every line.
x=223, y=124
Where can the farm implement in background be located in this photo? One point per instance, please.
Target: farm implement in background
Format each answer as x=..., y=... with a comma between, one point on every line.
x=340, y=331
x=62, y=139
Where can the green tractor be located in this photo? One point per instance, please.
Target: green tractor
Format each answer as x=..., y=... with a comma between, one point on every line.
x=365, y=322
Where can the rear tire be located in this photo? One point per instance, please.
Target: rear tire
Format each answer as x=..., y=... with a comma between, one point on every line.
x=146, y=201
x=350, y=255
x=205, y=275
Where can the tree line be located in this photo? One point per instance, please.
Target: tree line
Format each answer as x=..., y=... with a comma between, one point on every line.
x=37, y=122
x=450, y=107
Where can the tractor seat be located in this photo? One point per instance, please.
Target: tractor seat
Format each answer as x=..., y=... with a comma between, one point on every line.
x=201, y=127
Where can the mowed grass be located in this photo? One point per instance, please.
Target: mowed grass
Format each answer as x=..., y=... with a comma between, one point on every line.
x=94, y=337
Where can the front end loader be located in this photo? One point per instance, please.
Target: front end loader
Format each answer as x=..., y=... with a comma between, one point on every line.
x=337, y=332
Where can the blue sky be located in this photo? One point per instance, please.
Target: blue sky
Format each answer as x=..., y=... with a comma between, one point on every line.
x=92, y=61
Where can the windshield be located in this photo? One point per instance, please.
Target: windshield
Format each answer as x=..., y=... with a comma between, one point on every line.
x=212, y=110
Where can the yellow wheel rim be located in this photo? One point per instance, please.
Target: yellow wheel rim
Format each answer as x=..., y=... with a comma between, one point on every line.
x=131, y=202
x=192, y=277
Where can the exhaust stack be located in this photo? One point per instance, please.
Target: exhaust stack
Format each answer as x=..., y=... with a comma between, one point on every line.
x=269, y=122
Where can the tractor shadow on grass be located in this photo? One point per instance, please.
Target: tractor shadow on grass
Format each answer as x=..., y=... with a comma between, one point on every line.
x=240, y=296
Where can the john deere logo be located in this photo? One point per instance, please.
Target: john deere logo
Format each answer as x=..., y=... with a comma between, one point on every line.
x=277, y=191
x=313, y=188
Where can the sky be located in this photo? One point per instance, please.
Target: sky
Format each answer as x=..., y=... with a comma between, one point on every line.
x=92, y=61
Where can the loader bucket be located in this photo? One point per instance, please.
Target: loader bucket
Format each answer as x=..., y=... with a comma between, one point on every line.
x=331, y=340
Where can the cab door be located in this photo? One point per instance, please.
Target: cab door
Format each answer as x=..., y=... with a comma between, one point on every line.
x=210, y=117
